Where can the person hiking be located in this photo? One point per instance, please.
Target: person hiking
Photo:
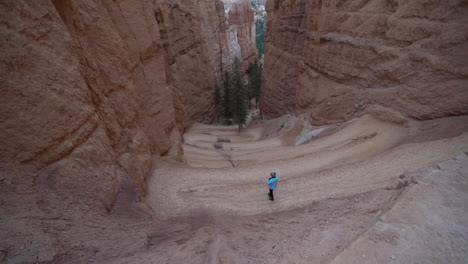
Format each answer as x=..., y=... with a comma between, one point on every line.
x=272, y=183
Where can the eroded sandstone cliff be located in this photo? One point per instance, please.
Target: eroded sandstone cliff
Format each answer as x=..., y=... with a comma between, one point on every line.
x=338, y=59
x=241, y=33
x=92, y=89
x=193, y=35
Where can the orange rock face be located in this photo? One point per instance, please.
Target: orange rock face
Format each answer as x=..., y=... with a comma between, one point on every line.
x=193, y=36
x=396, y=60
x=92, y=89
x=241, y=33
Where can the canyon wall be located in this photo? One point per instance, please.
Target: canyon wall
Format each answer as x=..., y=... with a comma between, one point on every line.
x=338, y=59
x=241, y=33
x=193, y=35
x=92, y=89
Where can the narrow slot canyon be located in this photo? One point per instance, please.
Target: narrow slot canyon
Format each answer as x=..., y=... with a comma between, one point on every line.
x=138, y=131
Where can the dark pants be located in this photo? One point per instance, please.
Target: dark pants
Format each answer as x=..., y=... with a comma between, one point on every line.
x=271, y=195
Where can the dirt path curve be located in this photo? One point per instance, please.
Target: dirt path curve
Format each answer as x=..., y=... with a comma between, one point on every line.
x=362, y=156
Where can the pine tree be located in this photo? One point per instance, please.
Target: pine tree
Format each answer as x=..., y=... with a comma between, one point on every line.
x=227, y=97
x=238, y=106
x=250, y=90
x=217, y=99
x=255, y=81
x=260, y=29
x=258, y=83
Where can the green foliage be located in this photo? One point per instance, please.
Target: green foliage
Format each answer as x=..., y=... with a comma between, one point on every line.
x=217, y=98
x=233, y=100
x=260, y=35
x=255, y=81
x=238, y=106
x=227, y=97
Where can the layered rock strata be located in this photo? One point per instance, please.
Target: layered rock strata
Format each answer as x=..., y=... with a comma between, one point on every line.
x=241, y=33
x=92, y=89
x=193, y=35
x=338, y=59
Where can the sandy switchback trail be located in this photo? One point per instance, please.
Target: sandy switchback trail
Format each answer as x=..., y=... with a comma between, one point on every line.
x=347, y=194
x=361, y=156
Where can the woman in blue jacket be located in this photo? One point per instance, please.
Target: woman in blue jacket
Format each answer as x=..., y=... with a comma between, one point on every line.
x=272, y=183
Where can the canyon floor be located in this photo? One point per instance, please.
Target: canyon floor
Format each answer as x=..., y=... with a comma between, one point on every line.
x=364, y=191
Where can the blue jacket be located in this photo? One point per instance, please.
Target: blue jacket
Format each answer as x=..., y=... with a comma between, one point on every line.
x=273, y=182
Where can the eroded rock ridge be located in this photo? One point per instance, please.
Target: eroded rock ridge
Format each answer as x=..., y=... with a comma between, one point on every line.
x=394, y=59
x=241, y=32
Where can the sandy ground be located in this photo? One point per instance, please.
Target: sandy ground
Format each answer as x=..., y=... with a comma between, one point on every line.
x=426, y=225
x=360, y=157
x=338, y=194
x=364, y=191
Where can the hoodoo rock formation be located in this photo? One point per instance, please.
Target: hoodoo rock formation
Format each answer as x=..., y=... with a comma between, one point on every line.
x=340, y=59
x=241, y=32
